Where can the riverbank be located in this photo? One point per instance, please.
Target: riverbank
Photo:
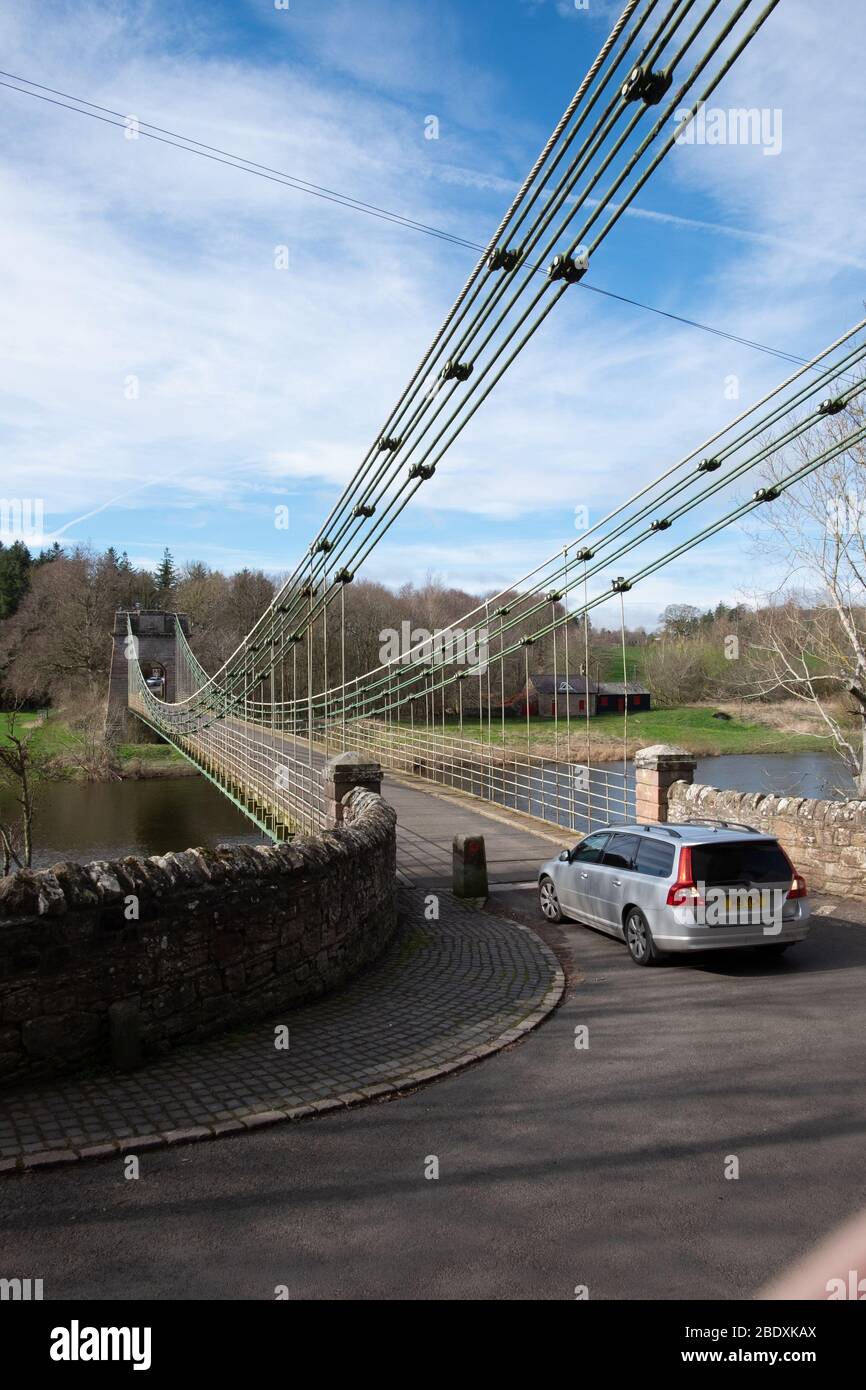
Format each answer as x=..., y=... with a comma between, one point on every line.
x=72, y=754
x=693, y=727
x=140, y=762
x=766, y=729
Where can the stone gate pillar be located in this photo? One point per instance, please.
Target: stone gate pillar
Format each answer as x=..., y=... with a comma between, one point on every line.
x=343, y=773
x=154, y=631
x=655, y=771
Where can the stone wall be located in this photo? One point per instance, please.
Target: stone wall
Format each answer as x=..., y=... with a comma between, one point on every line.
x=825, y=839
x=223, y=937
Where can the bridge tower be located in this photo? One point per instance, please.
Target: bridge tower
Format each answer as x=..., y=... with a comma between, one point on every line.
x=154, y=631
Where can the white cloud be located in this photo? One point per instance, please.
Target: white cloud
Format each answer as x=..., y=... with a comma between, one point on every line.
x=131, y=259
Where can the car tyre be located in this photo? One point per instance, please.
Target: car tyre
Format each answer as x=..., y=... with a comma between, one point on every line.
x=548, y=901
x=639, y=938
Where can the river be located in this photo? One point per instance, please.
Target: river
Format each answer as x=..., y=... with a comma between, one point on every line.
x=107, y=820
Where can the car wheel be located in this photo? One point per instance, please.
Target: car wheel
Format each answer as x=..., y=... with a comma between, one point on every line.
x=548, y=901
x=639, y=938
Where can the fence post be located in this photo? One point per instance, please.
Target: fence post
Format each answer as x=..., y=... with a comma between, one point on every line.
x=655, y=771
x=341, y=775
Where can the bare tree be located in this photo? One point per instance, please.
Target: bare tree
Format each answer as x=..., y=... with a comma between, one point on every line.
x=20, y=767
x=58, y=642
x=94, y=752
x=812, y=639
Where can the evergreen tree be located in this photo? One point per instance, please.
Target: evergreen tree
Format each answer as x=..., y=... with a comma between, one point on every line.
x=46, y=556
x=165, y=576
x=15, y=564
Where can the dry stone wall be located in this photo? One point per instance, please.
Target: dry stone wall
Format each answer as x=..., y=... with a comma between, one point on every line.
x=138, y=955
x=825, y=839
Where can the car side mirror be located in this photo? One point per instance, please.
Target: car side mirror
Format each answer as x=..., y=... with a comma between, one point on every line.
x=565, y=856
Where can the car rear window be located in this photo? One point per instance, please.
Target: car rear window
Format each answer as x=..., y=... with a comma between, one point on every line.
x=740, y=861
x=656, y=858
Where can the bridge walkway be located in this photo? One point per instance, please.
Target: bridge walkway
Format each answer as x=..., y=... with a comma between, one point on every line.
x=430, y=815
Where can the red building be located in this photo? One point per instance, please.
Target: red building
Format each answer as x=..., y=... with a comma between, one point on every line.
x=612, y=696
x=547, y=696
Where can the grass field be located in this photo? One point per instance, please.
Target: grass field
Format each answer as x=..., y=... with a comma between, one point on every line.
x=692, y=727
x=52, y=737
x=609, y=660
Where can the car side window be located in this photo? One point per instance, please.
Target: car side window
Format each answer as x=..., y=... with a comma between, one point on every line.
x=655, y=857
x=620, y=851
x=590, y=850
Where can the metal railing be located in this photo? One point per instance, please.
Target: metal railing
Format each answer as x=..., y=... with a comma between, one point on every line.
x=578, y=796
x=257, y=768
x=268, y=759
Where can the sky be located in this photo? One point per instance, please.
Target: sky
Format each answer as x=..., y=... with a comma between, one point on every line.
x=165, y=384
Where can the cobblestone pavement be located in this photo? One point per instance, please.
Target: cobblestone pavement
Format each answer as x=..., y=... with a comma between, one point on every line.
x=445, y=994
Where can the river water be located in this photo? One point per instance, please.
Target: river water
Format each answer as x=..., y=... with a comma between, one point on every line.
x=107, y=820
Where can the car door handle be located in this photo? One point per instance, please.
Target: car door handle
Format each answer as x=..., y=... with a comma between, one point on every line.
x=584, y=874
x=617, y=883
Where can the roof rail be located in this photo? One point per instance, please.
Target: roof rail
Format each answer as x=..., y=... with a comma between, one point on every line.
x=723, y=824
x=662, y=830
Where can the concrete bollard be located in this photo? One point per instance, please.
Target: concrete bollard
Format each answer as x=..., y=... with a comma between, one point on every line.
x=469, y=866
x=124, y=1032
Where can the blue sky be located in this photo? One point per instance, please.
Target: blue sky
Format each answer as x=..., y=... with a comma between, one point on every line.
x=258, y=387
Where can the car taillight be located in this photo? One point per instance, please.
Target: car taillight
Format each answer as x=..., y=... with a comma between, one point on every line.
x=798, y=887
x=684, y=893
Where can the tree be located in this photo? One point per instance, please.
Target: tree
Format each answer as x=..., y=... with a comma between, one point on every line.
x=58, y=643
x=165, y=577
x=679, y=619
x=15, y=565
x=19, y=768
x=812, y=643
x=45, y=557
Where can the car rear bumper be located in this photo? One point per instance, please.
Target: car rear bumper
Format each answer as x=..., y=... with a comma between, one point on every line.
x=670, y=935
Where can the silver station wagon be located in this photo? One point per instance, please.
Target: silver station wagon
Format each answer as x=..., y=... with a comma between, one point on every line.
x=692, y=887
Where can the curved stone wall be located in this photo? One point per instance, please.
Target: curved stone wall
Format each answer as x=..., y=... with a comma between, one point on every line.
x=104, y=959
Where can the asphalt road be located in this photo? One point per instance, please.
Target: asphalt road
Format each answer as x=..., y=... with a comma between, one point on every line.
x=558, y=1167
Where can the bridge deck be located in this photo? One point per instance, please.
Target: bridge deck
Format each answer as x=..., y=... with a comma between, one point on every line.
x=429, y=817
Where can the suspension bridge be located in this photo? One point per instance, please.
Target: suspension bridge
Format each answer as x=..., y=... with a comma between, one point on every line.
x=264, y=726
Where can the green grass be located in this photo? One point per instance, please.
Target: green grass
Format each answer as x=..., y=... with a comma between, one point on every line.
x=695, y=728
x=53, y=738
x=609, y=660
x=692, y=727
x=149, y=752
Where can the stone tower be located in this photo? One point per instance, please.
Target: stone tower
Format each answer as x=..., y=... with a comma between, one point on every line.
x=154, y=630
